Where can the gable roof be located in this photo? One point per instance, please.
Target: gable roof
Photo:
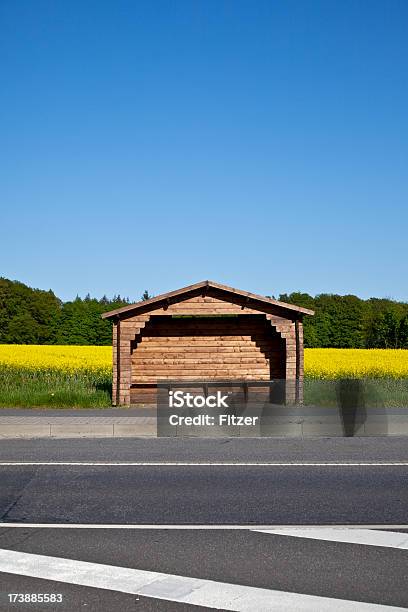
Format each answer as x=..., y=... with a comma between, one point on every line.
x=251, y=299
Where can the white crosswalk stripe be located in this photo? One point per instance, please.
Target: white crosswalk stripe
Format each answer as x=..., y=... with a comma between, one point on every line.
x=367, y=537
x=180, y=589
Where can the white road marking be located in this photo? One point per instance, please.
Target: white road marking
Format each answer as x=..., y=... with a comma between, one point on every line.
x=201, y=464
x=180, y=589
x=262, y=528
x=369, y=537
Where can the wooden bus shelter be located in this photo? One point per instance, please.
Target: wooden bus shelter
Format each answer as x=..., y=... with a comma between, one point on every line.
x=208, y=332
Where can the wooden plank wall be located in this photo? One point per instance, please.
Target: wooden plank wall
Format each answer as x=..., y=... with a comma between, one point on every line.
x=220, y=349
x=240, y=348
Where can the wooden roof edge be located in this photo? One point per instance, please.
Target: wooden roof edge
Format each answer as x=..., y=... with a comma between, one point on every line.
x=262, y=298
x=200, y=285
x=154, y=300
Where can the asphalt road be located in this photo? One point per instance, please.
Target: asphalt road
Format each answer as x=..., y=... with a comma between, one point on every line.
x=207, y=449
x=241, y=492
x=260, y=495
x=343, y=571
x=214, y=482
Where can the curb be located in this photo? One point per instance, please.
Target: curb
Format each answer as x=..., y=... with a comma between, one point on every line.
x=283, y=426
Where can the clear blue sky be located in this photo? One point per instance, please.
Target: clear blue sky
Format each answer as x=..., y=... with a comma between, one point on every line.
x=153, y=144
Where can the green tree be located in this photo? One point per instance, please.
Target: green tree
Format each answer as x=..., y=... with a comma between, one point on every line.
x=403, y=332
x=40, y=309
x=23, y=329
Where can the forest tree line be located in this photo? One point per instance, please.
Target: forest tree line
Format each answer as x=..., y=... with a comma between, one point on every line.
x=35, y=316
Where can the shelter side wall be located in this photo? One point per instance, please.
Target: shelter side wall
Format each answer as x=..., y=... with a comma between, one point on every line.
x=114, y=364
x=294, y=356
x=300, y=350
x=127, y=332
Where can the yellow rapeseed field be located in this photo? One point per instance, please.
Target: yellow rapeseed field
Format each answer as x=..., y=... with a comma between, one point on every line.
x=319, y=363
x=356, y=363
x=63, y=358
